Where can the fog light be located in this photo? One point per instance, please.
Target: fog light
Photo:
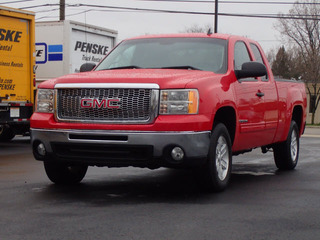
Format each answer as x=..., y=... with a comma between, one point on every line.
x=41, y=149
x=177, y=154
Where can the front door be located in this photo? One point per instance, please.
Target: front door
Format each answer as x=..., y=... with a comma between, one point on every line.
x=250, y=102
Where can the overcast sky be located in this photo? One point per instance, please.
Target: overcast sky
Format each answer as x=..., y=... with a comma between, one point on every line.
x=131, y=23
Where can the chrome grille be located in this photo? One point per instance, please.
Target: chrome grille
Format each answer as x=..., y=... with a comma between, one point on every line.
x=137, y=105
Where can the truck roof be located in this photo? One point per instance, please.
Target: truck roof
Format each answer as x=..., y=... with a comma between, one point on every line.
x=75, y=23
x=195, y=35
x=15, y=10
x=184, y=35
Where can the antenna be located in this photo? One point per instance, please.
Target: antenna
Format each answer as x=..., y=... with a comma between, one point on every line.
x=209, y=32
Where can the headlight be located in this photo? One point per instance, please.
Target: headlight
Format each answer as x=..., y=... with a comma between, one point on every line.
x=184, y=101
x=45, y=100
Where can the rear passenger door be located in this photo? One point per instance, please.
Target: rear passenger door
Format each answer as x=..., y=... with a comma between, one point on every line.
x=269, y=90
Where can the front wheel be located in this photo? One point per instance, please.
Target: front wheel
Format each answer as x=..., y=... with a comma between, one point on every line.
x=217, y=171
x=286, y=154
x=61, y=173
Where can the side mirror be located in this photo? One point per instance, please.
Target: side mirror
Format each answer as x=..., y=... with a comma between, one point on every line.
x=87, y=67
x=251, y=69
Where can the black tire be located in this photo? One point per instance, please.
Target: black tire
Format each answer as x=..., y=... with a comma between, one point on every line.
x=286, y=154
x=217, y=171
x=61, y=173
x=6, y=134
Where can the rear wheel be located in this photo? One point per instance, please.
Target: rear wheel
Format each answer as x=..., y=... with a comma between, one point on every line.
x=61, y=173
x=6, y=134
x=217, y=171
x=286, y=154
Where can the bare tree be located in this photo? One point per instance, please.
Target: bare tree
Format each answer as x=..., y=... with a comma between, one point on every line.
x=271, y=55
x=303, y=31
x=197, y=29
x=281, y=64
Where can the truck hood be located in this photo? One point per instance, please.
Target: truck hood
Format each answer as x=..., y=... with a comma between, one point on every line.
x=165, y=78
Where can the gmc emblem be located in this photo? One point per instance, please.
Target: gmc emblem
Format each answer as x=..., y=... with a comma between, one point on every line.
x=104, y=103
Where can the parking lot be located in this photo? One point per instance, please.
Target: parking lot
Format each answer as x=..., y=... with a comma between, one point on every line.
x=134, y=203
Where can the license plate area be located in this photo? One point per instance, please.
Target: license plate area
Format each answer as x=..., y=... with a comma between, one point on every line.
x=14, y=112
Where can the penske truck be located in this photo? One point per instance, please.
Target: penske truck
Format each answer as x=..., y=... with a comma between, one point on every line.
x=17, y=76
x=63, y=46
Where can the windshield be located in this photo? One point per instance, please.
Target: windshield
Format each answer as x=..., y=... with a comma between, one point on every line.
x=182, y=53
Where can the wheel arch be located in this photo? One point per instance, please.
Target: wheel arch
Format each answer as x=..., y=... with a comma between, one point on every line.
x=297, y=116
x=227, y=116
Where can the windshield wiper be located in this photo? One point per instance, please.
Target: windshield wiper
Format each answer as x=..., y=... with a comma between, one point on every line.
x=170, y=67
x=181, y=67
x=125, y=67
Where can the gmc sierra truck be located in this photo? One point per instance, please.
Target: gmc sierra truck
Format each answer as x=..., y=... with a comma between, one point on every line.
x=177, y=101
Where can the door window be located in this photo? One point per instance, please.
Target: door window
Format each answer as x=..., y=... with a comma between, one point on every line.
x=258, y=57
x=241, y=55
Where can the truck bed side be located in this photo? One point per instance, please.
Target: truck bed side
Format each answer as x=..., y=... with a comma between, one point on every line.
x=292, y=105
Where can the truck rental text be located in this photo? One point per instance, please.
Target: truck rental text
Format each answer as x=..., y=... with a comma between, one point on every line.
x=17, y=77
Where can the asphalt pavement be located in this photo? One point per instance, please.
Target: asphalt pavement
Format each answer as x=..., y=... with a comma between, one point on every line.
x=261, y=202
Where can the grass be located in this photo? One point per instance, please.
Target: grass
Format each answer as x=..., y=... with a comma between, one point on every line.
x=313, y=125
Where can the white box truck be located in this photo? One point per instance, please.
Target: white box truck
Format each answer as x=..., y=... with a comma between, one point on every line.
x=63, y=46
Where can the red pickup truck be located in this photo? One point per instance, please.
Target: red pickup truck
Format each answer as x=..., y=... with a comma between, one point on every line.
x=178, y=101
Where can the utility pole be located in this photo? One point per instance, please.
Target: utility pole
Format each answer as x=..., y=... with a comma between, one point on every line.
x=62, y=10
x=216, y=17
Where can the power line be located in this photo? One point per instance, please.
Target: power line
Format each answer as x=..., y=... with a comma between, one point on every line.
x=49, y=10
x=272, y=16
x=201, y=1
x=17, y=1
x=234, y=2
x=200, y=13
x=43, y=5
x=78, y=13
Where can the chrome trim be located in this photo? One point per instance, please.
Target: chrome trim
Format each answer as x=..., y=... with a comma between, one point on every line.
x=243, y=121
x=55, y=105
x=154, y=100
x=107, y=85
